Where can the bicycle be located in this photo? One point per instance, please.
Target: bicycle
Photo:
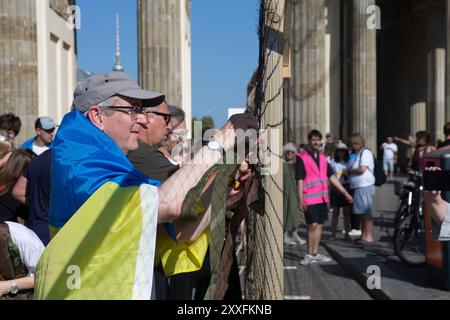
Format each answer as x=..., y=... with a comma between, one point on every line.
x=409, y=235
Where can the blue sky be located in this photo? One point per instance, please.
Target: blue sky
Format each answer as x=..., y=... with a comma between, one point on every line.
x=224, y=48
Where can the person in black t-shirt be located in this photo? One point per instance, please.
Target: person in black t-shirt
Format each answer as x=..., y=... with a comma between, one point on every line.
x=33, y=188
x=312, y=183
x=446, y=143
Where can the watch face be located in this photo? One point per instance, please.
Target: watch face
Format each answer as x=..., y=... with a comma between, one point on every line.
x=215, y=145
x=14, y=288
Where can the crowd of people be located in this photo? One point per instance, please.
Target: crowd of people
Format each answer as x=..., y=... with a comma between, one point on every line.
x=329, y=175
x=113, y=198
x=110, y=196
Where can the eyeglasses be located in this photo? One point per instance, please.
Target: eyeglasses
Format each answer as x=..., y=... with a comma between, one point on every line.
x=49, y=131
x=132, y=111
x=166, y=116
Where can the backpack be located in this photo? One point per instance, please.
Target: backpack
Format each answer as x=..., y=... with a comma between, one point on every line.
x=378, y=172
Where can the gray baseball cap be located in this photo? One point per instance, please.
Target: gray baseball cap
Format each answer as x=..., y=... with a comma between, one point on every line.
x=45, y=123
x=100, y=87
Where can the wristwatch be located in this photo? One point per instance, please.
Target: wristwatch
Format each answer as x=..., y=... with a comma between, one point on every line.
x=215, y=145
x=14, y=287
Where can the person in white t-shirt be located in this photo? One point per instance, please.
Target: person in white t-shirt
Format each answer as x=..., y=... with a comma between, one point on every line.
x=362, y=183
x=17, y=273
x=390, y=151
x=45, y=132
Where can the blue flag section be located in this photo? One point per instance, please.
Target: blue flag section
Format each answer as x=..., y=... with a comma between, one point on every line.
x=84, y=159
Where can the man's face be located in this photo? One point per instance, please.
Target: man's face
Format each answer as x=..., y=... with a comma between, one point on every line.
x=8, y=133
x=315, y=143
x=121, y=126
x=390, y=140
x=12, y=134
x=46, y=135
x=290, y=155
x=178, y=135
x=155, y=131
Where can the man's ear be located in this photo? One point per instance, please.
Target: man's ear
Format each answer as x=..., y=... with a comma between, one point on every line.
x=96, y=117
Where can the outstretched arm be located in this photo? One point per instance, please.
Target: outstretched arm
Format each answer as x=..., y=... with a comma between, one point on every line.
x=175, y=189
x=438, y=208
x=335, y=182
x=402, y=141
x=25, y=283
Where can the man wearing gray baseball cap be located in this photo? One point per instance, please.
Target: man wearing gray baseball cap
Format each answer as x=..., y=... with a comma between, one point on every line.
x=89, y=167
x=45, y=132
x=115, y=104
x=98, y=88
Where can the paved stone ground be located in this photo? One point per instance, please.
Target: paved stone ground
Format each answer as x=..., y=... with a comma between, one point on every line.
x=345, y=278
x=398, y=281
x=327, y=281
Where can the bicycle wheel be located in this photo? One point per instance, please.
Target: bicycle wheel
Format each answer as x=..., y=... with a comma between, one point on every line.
x=409, y=241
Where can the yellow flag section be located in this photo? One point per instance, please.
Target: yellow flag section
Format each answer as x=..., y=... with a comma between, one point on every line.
x=106, y=250
x=182, y=257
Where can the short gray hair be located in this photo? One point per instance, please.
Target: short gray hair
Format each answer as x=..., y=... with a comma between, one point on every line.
x=102, y=105
x=107, y=102
x=289, y=147
x=177, y=113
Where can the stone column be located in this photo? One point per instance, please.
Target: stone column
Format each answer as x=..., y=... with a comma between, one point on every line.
x=418, y=71
x=436, y=93
x=18, y=62
x=364, y=75
x=334, y=34
x=272, y=119
x=159, y=31
x=306, y=108
x=436, y=22
x=447, y=94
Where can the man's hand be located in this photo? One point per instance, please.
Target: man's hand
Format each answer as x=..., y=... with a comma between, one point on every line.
x=303, y=206
x=435, y=203
x=5, y=287
x=227, y=135
x=348, y=198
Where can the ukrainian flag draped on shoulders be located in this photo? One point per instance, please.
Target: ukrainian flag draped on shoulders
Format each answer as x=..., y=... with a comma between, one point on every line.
x=106, y=215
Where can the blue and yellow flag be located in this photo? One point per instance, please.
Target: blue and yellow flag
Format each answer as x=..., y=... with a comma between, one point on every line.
x=106, y=211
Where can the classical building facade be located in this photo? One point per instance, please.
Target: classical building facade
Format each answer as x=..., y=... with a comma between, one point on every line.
x=374, y=67
x=165, y=50
x=37, y=60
